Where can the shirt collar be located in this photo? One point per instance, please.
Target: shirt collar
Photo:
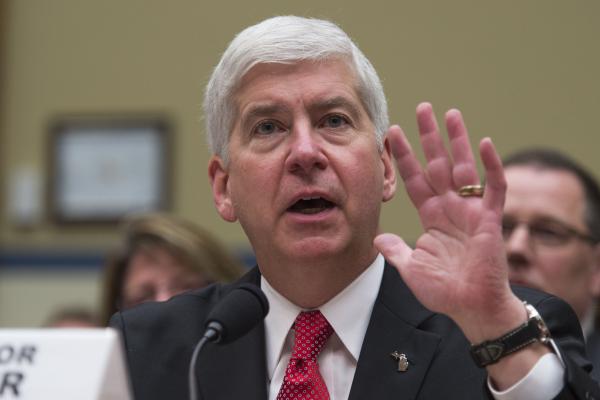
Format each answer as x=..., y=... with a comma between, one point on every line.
x=348, y=313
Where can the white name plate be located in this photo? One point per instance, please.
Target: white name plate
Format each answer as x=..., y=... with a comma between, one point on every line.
x=65, y=364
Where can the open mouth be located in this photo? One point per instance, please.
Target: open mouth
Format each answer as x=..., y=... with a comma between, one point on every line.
x=311, y=205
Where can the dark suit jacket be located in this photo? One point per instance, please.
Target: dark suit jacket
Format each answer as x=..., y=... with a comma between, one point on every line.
x=159, y=339
x=592, y=345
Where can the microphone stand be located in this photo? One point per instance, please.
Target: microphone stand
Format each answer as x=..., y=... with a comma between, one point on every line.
x=212, y=334
x=234, y=316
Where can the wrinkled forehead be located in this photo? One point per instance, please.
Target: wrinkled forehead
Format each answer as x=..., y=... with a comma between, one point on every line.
x=279, y=70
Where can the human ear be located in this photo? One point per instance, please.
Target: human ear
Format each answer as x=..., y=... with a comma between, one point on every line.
x=219, y=182
x=595, y=277
x=389, y=172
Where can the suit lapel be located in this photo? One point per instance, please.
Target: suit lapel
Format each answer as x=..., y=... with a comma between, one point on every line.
x=236, y=370
x=393, y=327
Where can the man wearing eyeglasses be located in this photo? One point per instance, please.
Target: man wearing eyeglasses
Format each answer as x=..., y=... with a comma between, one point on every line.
x=551, y=228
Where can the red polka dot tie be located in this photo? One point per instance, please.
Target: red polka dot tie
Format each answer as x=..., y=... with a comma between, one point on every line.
x=302, y=379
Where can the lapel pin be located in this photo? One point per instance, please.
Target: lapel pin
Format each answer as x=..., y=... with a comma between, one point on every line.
x=402, y=360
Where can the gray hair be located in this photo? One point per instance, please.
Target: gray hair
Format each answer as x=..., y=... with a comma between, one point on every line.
x=286, y=40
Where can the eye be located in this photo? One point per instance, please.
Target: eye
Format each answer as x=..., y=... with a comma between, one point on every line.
x=266, y=128
x=507, y=228
x=548, y=234
x=334, y=121
x=136, y=298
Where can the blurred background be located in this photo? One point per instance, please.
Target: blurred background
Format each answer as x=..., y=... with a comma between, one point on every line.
x=523, y=73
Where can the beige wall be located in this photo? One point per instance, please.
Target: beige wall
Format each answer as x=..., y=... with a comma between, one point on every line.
x=524, y=73
x=30, y=298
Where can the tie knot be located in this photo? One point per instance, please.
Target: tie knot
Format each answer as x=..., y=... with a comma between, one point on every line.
x=312, y=331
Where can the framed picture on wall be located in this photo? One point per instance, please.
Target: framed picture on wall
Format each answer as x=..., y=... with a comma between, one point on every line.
x=103, y=168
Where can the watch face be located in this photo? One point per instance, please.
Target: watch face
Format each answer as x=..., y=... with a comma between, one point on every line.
x=535, y=318
x=544, y=335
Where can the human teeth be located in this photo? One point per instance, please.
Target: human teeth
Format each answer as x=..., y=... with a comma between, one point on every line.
x=311, y=205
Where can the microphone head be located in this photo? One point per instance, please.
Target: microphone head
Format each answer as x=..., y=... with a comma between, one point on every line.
x=237, y=313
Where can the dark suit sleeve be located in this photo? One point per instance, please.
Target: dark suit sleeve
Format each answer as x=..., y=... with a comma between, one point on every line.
x=117, y=322
x=158, y=340
x=566, y=332
x=160, y=337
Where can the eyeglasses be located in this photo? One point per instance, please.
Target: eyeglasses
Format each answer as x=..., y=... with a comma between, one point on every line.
x=547, y=232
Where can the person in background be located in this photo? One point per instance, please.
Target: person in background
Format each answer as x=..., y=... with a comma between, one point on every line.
x=551, y=227
x=73, y=317
x=161, y=256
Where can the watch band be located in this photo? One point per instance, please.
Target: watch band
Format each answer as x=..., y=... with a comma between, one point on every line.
x=534, y=330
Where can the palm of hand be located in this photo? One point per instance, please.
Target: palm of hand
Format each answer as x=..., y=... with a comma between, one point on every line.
x=458, y=266
x=459, y=260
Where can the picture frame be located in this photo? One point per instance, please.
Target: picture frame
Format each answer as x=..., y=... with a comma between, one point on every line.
x=103, y=168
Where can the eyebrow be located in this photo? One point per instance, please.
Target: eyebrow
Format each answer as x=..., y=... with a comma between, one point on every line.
x=542, y=219
x=268, y=109
x=261, y=110
x=336, y=102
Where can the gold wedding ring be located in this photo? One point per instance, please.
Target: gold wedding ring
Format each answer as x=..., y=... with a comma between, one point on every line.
x=471, y=191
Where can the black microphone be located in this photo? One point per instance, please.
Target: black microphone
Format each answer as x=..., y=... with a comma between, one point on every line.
x=234, y=316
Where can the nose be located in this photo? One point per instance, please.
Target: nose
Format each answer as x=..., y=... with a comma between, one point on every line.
x=519, y=247
x=306, y=151
x=163, y=294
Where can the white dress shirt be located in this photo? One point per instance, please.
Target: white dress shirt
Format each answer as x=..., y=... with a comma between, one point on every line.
x=349, y=313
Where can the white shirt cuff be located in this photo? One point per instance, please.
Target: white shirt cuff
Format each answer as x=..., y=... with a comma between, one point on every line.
x=543, y=382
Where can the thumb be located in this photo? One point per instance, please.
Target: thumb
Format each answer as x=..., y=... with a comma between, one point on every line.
x=394, y=249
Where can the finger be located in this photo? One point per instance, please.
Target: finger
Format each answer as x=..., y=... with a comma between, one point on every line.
x=439, y=165
x=464, y=171
x=495, y=182
x=394, y=249
x=410, y=169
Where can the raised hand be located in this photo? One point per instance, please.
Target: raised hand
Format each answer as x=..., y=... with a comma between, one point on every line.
x=458, y=266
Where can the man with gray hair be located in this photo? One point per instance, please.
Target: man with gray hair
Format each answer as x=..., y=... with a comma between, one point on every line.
x=303, y=158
